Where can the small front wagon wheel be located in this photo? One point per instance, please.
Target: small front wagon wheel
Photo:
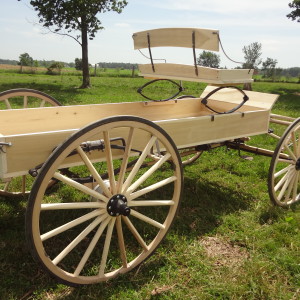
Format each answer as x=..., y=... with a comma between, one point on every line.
x=89, y=231
x=284, y=172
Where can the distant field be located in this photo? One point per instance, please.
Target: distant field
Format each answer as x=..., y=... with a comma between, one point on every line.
x=227, y=242
x=117, y=72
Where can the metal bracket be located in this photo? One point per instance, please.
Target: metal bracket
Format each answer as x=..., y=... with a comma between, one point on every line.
x=2, y=144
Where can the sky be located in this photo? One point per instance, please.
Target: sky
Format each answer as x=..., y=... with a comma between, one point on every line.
x=240, y=23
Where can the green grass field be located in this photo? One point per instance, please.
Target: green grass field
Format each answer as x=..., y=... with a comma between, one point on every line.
x=227, y=242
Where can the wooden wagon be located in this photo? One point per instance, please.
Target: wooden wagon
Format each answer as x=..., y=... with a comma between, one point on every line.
x=115, y=171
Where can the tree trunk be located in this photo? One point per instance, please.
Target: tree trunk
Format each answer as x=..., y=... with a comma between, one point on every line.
x=85, y=60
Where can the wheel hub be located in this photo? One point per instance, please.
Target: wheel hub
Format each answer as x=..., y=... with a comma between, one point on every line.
x=298, y=164
x=117, y=205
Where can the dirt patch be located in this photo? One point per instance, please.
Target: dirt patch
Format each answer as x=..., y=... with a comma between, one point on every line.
x=297, y=94
x=224, y=253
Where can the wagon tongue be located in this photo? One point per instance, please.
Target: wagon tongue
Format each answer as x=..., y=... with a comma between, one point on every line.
x=117, y=205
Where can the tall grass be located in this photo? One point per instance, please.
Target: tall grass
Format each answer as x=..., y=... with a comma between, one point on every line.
x=228, y=241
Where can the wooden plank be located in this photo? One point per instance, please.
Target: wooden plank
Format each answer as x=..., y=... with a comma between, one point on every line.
x=202, y=130
x=19, y=121
x=187, y=73
x=256, y=100
x=3, y=167
x=177, y=37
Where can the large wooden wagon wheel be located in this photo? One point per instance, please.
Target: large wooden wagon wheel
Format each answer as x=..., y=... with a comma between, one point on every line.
x=86, y=234
x=18, y=99
x=284, y=173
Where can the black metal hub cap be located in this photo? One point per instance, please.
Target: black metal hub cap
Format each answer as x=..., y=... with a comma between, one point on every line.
x=117, y=205
x=298, y=164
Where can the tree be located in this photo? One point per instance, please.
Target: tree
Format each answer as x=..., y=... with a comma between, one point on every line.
x=209, y=59
x=55, y=67
x=269, y=67
x=63, y=17
x=295, y=14
x=78, y=63
x=25, y=60
x=252, y=55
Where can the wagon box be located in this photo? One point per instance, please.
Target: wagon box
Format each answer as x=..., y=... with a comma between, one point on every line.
x=34, y=133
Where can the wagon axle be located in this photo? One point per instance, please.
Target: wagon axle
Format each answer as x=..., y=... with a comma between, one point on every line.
x=117, y=205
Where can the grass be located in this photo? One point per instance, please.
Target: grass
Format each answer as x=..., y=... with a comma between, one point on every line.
x=228, y=241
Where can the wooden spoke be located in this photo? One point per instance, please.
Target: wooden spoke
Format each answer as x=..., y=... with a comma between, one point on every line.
x=8, y=106
x=282, y=181
x=72, y=205
x=25, y=102
x=106, y=246
x=147, y=174
x=147, y=219
x=109, y=161
x=79, y=187
x=94, y=172
x=295, y=187
x=125, y=160
x=43, y=102
x=152, y=203
x=71, y=224
x=6, y=186
x=290, y=188
x=91, y=246
x=139, y=163
x=121, y=241
x=286, y=169
x=23, y=184
x=286, y=184
x=78, y=239
x=152, y=187
x=291, y=154
x=135, y=233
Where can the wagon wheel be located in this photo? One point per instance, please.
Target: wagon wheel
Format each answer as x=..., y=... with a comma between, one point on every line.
x=16, y=99
x=84, y=235
x=25, y=98
x=284, y=173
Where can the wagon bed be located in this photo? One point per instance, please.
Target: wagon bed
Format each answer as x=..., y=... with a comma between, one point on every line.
x=34, y=133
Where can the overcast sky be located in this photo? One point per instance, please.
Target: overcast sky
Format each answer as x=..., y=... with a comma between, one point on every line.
x=240, y=23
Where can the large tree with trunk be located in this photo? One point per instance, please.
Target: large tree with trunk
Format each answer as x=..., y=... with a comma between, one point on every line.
x=79, y=17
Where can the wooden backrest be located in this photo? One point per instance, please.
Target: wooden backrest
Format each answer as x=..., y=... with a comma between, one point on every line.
x=206, y=39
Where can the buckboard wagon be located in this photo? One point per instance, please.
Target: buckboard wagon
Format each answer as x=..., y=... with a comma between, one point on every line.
x=109, y=177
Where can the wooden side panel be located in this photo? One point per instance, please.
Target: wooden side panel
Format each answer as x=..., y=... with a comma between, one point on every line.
x=202, y=130
x=256, y=99
x=30, y=150
x=19, y=121
x=177, y=37
x=236, y=75
x=187, y=73
x=3, y=167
